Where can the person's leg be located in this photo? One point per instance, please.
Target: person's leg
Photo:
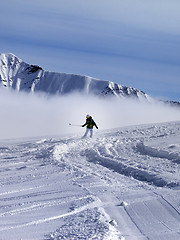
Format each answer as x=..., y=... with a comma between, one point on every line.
x=87, y=130
x=91, y=133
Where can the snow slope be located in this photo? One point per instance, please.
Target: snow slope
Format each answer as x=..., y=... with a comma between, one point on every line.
x=122, y=184
x=16, y=74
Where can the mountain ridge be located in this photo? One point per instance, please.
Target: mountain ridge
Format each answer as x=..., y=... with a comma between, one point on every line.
x=21, y=76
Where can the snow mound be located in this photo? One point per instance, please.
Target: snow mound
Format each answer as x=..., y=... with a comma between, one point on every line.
x=158, y=153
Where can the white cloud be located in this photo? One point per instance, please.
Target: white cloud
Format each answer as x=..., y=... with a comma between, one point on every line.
x=158, y=15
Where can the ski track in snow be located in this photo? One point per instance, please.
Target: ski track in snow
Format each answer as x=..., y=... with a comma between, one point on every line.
x=122, y=184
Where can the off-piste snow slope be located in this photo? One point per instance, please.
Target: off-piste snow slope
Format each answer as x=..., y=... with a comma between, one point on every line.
x=121, y=184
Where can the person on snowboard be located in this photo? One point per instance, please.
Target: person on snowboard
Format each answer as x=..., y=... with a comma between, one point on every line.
x=90, y=123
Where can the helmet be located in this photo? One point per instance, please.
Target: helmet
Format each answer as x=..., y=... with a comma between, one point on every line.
x=87, y=115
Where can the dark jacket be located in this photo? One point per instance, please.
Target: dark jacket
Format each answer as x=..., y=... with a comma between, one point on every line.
x=90, y=123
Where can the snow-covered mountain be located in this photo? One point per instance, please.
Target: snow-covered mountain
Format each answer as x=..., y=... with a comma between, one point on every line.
x=16, y=74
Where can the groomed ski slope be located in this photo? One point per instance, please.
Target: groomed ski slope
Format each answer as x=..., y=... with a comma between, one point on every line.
x=122, y=184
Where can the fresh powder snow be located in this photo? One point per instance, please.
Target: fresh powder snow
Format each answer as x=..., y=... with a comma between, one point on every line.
x=121, y=184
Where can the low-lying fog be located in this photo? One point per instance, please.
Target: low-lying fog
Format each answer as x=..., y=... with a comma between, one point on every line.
x=31, y=115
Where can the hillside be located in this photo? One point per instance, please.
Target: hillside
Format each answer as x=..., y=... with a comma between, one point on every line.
x=18, y=75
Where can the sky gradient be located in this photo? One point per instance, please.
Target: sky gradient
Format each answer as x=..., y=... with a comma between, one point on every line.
x=131, y=42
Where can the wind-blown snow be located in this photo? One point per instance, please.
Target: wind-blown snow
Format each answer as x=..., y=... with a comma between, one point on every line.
x=122, y=184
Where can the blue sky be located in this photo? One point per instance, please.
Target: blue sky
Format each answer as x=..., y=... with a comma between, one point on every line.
x=131, y=42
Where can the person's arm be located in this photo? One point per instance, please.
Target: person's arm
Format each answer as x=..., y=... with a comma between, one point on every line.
x=95, y=124
x=84, y=124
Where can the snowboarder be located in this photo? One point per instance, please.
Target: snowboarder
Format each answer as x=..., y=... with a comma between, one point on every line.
x=90, y=123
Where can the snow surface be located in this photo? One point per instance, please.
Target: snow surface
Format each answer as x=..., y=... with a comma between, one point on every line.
x=121, y=184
